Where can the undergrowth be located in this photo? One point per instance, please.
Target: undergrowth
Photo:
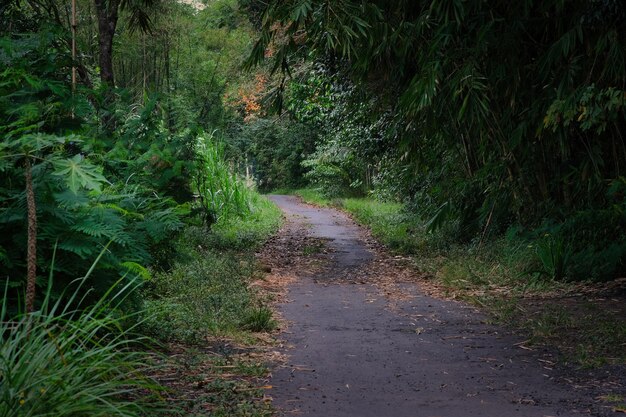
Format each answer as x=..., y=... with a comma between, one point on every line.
x=208, y=290
x=67, y=359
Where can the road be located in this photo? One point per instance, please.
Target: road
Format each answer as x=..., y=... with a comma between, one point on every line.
x=355, y=349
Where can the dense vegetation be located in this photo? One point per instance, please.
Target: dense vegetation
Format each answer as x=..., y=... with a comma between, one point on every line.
x=490, y=134
x=125, y=220
x=485, y=118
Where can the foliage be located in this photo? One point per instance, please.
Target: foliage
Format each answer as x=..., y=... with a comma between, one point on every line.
x=276, y=148
x=66, y=360
x=588, y=245
x=555, y=256
x=34, y=94
x=351, y=142
x=437, y=98
x=89, y=190
x=79, y=212
x=222, y=193
x=117, y=166
x=247, y=232
x=208, y=290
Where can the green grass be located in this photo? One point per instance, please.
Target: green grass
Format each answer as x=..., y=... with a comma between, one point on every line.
x=208, y=291
x=259, y=320
x=247, y=232
x=311, y=195
x=71, y=360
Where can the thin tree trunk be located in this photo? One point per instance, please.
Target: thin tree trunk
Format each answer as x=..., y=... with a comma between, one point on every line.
x=31, y=254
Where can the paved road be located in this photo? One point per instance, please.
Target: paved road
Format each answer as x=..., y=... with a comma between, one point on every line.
x=352, y=356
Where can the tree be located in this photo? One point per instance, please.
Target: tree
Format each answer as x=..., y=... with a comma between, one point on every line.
x=108, y=13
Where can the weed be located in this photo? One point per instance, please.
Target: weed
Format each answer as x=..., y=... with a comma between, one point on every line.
x=555, y=256
x=259, y=320
x=312, y=249
x=251, y=369
x=550, y=322
x=503, y=310
x=612, y=398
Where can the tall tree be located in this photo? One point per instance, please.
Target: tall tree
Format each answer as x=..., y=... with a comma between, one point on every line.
x=108, y=12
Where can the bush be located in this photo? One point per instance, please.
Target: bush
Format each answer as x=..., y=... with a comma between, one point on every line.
x=596, y=242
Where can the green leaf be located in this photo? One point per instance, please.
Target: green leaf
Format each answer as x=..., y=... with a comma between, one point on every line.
x=79, y=173
x=37, y=142
x=137, y=269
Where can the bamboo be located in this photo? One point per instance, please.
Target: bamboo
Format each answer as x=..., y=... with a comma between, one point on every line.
x=73, y=46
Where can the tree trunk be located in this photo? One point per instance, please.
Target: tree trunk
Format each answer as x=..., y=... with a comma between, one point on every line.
x=107, y=12
x=31, y=252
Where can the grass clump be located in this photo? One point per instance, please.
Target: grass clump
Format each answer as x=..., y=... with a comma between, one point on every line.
x=74, y=360
x=259, y=320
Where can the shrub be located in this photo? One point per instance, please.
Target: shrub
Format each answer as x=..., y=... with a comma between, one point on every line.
x=208, y=291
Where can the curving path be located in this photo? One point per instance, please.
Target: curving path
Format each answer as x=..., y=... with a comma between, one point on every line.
x=349, y=354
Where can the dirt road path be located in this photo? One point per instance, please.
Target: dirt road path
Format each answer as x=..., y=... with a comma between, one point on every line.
x=364, y=341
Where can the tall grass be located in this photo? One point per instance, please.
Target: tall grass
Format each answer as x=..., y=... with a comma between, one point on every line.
x=222, y=193
x=68, y=361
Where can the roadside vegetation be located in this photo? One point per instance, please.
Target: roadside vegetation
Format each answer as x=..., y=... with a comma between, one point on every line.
x=484, y=139
x=128, y=222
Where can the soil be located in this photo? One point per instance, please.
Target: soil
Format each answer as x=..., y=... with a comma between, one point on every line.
x=362, y=337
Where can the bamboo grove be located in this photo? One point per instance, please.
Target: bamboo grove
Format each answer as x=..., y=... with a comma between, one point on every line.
x=484, y=113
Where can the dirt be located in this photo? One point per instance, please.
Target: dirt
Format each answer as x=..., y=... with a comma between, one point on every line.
x=362, y=338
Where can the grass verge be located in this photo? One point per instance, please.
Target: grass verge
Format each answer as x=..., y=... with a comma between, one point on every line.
x=210, y=317
x=589, y=332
